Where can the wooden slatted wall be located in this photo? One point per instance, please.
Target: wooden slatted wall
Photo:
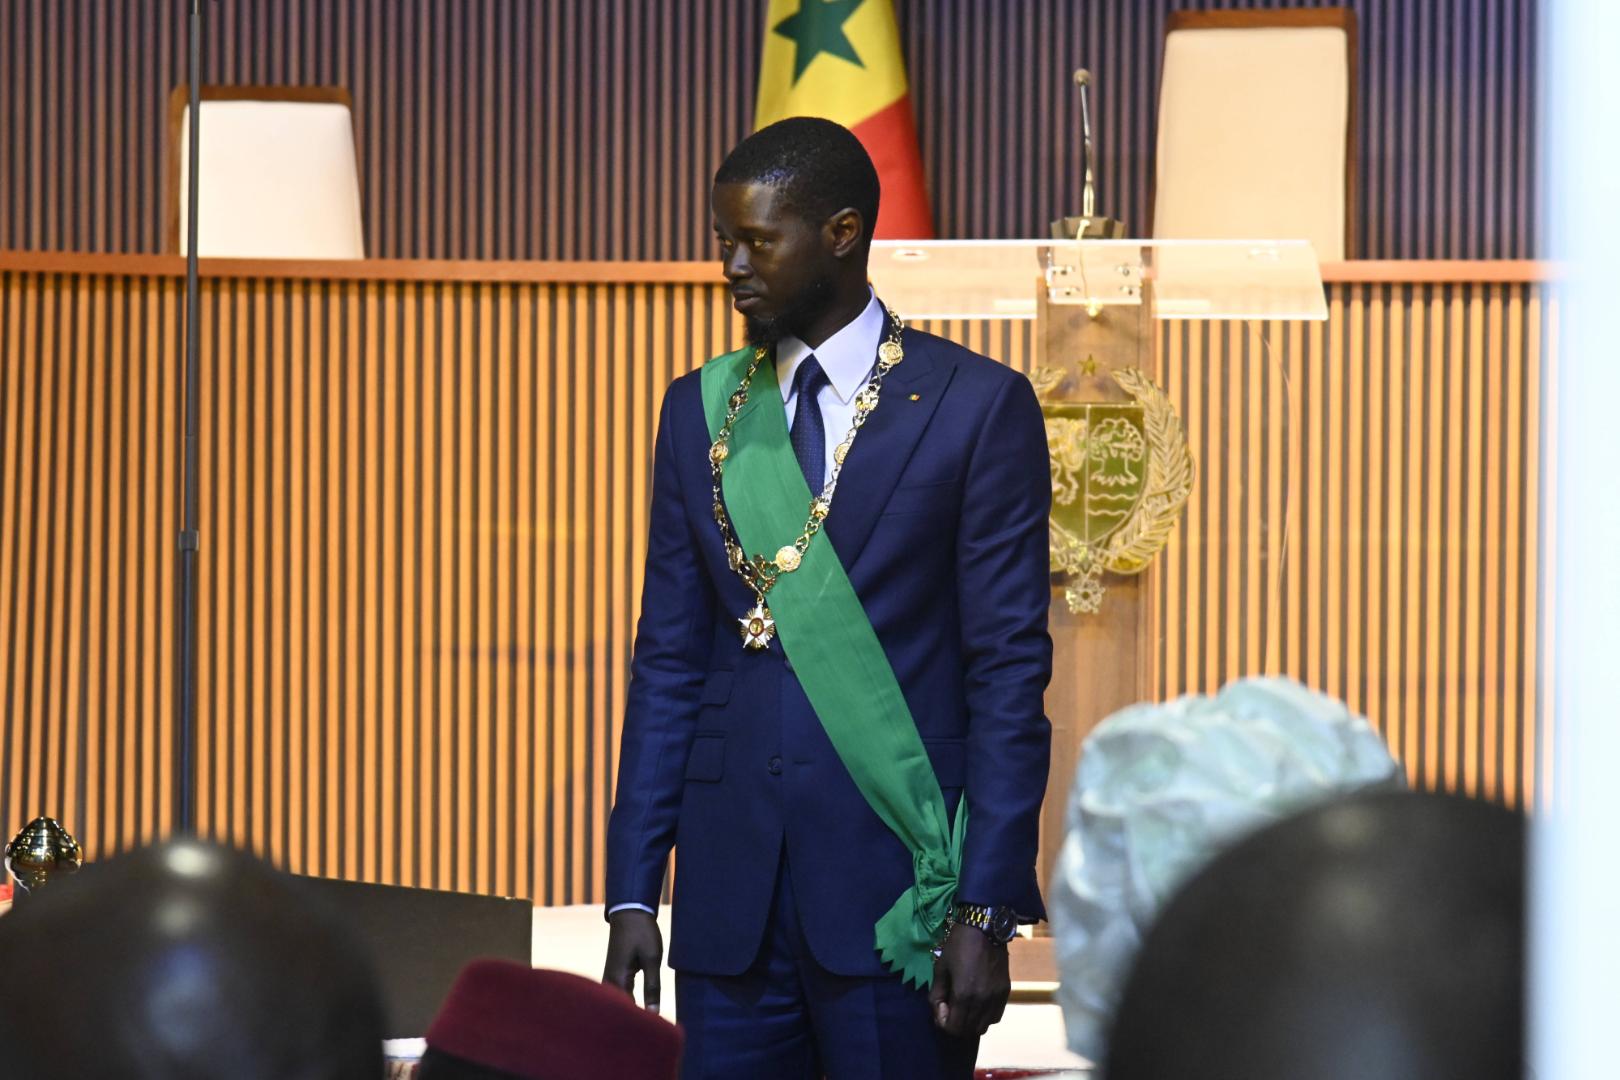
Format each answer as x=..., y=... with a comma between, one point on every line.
x=1366, y=520
x=425, y=511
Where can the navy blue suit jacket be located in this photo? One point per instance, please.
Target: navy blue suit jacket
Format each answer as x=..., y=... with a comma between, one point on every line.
x=940, y=521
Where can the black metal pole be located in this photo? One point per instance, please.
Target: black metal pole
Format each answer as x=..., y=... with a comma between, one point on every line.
x=186, y=609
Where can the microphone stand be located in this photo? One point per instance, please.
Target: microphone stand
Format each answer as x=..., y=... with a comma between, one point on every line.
x=1088, y=226
x=186, y=602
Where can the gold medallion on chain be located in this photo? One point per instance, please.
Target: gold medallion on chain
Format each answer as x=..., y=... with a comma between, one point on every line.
x=759, y=573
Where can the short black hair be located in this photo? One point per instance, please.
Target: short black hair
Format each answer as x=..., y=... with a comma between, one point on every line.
x=821, y=167
x=1266, y=965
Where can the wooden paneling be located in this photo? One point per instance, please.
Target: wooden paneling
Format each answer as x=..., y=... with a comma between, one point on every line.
x=551, y=129
x=424, y=517
x=1366, y=518
x=423, y=511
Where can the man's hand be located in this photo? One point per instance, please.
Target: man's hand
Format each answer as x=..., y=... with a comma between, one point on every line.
x=635, y=944
x=971, y=983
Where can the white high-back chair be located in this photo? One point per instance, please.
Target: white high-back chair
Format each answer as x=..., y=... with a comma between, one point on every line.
x=279, y=176
x=1257, y=128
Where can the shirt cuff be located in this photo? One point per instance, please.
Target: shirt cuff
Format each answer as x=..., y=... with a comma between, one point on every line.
x=616, y=908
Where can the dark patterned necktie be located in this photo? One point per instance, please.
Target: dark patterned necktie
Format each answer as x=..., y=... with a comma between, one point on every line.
x=809, y=434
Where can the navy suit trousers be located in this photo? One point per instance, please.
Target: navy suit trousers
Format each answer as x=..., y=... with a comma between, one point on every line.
x=788, y=1018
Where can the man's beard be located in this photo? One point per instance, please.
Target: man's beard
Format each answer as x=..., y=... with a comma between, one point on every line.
x=790, y=321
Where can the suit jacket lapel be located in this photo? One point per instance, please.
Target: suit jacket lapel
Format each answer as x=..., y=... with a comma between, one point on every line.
x=885, y=445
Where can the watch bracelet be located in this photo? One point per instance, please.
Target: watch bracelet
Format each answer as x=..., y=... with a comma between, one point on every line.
x=978, y=916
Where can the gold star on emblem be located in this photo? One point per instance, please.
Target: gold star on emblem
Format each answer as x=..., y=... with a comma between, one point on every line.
x=1088, y=366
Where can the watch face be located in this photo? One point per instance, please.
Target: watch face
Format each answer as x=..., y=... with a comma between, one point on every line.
x=1004, y=924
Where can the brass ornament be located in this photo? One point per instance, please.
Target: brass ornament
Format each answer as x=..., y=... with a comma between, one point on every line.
x=1121, y=476
x=1047, y=380
x=890, y=353
x=41, y=851
x=787, y=559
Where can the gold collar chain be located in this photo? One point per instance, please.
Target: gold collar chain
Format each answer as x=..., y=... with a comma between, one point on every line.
x=760, y=573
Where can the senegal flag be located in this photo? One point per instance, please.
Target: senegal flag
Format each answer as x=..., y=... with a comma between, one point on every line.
x=840, y=60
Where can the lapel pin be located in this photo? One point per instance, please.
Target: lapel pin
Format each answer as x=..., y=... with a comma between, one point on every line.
x=916, y=397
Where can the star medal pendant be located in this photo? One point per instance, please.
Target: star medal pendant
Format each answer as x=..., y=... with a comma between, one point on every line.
x=758, y=627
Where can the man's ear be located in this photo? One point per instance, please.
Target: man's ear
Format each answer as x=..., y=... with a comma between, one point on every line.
x=844, y=232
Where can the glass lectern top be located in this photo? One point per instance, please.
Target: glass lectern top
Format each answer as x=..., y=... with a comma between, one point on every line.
x=1187, y=279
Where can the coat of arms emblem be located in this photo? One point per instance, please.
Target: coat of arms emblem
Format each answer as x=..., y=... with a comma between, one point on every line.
x=1121, y=475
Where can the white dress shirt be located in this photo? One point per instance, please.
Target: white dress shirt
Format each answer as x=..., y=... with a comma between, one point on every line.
x=848, y=358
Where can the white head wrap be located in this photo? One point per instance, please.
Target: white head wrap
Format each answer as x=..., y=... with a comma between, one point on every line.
x=1160, y=790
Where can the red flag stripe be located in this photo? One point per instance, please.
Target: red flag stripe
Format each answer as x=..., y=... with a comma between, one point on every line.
x=890, y=136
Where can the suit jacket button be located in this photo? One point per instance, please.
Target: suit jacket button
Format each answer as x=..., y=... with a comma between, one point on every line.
x=774, y=766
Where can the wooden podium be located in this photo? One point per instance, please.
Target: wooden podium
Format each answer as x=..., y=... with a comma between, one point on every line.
x=1097, y=306
x=1100, y=662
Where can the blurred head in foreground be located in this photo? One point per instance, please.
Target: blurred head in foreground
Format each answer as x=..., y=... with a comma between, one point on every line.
x=1161, y=789
x=184, y=960
x=505, y=1021
x=1381, y=935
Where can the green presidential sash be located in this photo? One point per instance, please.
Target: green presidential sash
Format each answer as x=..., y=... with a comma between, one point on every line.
x=841, y=665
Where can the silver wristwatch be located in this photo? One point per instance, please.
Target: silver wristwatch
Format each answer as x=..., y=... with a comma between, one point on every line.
x=999, y=924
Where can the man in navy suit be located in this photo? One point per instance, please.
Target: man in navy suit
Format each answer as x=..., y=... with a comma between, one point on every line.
x=938, y=517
